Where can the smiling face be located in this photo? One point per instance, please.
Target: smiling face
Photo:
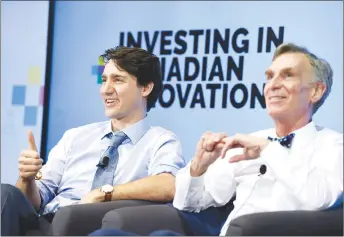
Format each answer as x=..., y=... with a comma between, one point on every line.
x=290, y=89
x=121, y=94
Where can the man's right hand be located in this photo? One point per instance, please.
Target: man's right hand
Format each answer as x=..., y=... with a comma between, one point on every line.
x=208, y=150
x=30, y=162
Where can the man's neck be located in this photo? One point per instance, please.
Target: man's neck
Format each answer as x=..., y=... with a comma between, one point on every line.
x=120, y=124
x=286, y=126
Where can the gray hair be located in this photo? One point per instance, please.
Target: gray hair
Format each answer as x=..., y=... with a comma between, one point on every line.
x=322, y=69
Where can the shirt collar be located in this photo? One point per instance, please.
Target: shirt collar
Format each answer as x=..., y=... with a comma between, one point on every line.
x=303, y=135
x=134, y=131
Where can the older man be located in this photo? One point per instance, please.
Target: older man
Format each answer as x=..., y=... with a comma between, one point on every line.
x=294, y=166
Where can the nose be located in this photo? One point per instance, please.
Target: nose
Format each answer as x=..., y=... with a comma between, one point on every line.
x=107, y=88
x=275, y=83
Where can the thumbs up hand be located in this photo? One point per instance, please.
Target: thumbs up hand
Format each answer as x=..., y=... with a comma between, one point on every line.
x=30, y=162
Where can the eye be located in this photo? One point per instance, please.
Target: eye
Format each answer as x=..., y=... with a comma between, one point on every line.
x=269, y=76
x=103, y=80
x=118, y=80
x=287, y=74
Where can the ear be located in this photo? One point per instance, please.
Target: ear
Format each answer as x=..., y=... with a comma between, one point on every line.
x=318, y=92
x=147, y=89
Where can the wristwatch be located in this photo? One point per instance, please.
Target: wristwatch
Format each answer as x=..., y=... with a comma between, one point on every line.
x=108, y=190
x=39, y=175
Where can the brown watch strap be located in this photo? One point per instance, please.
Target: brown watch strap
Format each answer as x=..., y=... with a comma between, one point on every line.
x=108, y=196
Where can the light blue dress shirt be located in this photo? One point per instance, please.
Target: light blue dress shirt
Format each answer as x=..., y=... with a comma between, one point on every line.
x=71, y=166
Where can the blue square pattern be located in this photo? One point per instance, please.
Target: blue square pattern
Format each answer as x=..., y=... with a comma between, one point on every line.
x=30, y=116
x=18, y=95
x=95, y=69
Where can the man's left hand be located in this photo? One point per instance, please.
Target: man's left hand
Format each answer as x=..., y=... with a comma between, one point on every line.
x=252, y=146
x=95, y=196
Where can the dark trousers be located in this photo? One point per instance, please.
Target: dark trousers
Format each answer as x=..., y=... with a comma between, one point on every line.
x=18, y=216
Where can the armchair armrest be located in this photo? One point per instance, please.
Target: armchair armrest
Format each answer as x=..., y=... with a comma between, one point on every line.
x=82, y=219
x=289, y=223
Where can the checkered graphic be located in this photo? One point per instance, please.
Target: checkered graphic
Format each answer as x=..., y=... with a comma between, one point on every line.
x=98, y=70
x=29, y=96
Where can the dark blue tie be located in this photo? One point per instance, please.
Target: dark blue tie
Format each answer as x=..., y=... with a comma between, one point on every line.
x=105, y=175
x=284, y=141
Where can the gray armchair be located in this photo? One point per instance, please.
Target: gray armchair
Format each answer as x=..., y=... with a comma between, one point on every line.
x=81, y=220
x=285, y=223
x=289, y=223
x=144, y=217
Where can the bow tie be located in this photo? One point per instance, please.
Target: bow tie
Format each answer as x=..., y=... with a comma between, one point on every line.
x=284, y=141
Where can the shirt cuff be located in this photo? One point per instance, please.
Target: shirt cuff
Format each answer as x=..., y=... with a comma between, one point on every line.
x=44, y=194
x=186, y=186
x=196, y=181
x=193, y=182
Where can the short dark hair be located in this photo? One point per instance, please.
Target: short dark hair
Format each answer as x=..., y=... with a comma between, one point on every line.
x=140, y=63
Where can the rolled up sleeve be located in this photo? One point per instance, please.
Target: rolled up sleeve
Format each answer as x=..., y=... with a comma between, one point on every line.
x=168, y=157
x=47, y=193
x=52, y=171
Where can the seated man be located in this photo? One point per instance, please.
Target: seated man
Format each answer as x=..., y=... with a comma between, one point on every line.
x=294, y=166
x=123, y=158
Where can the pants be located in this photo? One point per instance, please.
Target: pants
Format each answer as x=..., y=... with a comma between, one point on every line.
x=18, y=216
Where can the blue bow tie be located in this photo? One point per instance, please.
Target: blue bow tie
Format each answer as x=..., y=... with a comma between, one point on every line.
x=284, y=141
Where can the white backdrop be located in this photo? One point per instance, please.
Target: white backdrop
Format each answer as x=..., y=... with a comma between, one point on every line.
x=83, y=30
x=24, y=26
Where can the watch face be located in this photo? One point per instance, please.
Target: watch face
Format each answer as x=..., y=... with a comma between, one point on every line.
x=107, y=188
x=38, y=175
